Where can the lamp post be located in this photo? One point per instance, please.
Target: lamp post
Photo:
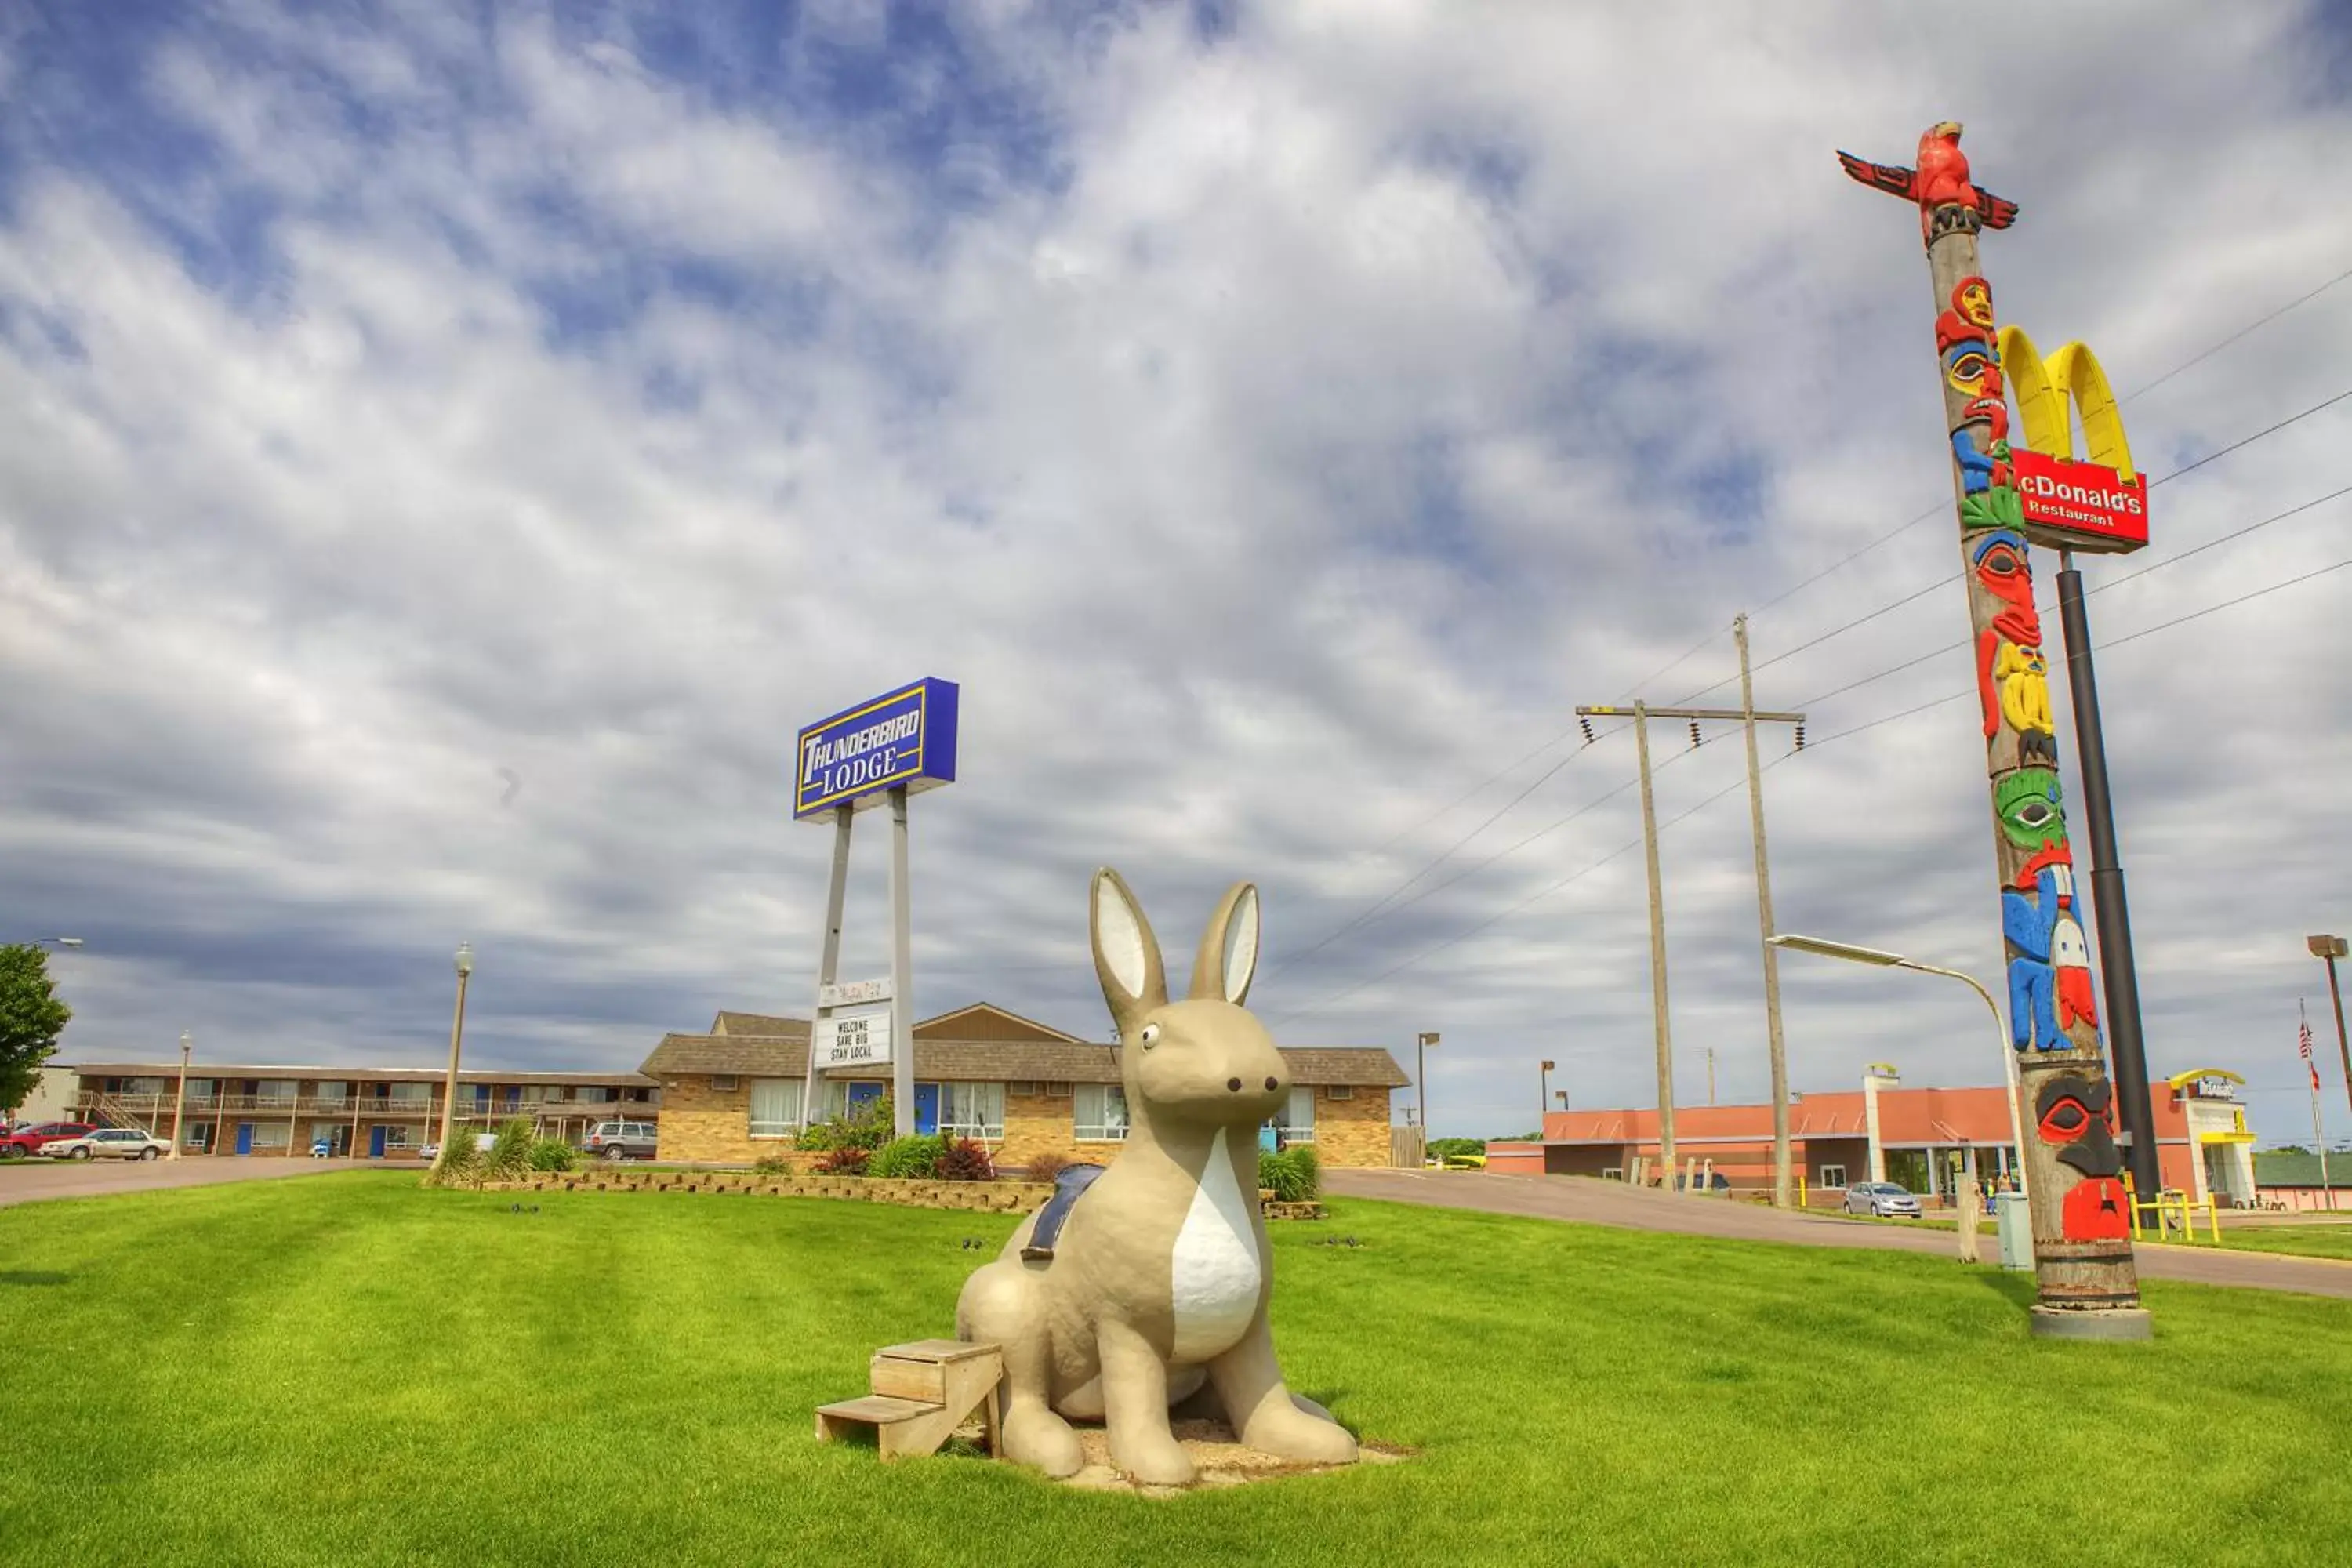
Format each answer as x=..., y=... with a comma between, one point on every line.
x=1872, y=955
x=2332, y=948
x=1543, y=1094
x=457, y=1034
x=1562, y=1095
x=180, y=1099
x=1422, y=1043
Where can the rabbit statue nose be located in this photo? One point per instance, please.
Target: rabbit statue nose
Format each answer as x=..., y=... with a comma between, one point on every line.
x=1273, y=1083
x=1235, y=1084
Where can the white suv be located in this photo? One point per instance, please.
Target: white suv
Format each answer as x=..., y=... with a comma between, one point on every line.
x=621, y=1140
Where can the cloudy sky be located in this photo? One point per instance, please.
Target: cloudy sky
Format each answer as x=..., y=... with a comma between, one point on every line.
x=447, y=451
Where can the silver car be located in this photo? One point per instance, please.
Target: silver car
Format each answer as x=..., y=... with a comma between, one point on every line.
x=1882, y=1200
x=108, y=1143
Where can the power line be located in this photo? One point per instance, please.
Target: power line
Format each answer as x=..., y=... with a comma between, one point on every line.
x=2241, y=332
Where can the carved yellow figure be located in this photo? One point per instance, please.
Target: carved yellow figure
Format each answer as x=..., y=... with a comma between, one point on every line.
x=2024, y=677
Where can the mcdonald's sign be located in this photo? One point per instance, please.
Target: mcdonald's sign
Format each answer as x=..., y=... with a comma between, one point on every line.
x=2098, y=506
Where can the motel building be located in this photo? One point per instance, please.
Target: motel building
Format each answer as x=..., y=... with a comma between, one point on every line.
x=373, y=1112
x=1926, y=1140
x=1019, y=1086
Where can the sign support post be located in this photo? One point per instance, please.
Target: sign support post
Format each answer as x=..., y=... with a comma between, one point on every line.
x=2087, y=1279
x=902, y=973
x=828, y=969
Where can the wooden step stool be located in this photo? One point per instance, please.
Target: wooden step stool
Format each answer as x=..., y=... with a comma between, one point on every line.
x=922, y=1392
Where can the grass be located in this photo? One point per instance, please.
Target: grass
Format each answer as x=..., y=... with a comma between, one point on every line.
x=2320, y=1240
x=351, y=1369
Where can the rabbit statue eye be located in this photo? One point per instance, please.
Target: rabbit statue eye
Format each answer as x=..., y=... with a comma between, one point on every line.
x=1149, y=1037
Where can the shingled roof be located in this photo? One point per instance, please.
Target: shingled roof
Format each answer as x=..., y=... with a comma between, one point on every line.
x=1065, y=1060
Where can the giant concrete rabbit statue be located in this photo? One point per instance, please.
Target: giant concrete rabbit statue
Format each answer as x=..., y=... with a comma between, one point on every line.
x=1158, y=1278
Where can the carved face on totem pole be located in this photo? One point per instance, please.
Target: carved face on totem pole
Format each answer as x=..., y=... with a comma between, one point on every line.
x=2075, y=1115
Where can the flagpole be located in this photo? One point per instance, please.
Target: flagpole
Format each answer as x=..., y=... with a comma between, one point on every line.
x=2318, y=1137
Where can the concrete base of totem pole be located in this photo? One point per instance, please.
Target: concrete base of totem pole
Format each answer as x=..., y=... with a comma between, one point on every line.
x=2107, y=1323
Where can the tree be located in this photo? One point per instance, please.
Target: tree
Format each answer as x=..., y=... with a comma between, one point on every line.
x=31, y=1018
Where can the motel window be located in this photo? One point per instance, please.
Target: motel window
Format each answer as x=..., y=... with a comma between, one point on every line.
x=269, y=1134
x=395, y=1137
x=972, y=1109
x=277, y=1092
x=412, y=1092
x=1098, y=1112
x=200, y=1089
x=1023, y=1085
x=1338, y=1091
x=1297, y=1119
x=775, y=1106
x=199, y=1137
x=331, y=1093
x=593, y=1094
x=1058, y=1091
x=1833, y=1175
x=723, y=1083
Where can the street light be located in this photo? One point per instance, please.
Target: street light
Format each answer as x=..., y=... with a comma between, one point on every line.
x=1420, y=1077
x=2332, y=948
x=180, y=1101
x=1543, y=1096
x=1848, y=951
x=457, y=1034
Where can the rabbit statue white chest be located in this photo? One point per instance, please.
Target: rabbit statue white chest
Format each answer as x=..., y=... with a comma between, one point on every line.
x=1159, y=1280
x=1214, y=1276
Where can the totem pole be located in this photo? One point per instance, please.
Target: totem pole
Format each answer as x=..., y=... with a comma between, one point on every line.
x=2082, y=1227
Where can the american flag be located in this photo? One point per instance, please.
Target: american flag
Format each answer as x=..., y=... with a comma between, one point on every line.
x=2308, y=1065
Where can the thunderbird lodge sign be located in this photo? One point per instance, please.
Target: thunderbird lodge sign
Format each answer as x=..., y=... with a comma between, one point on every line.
x=903, y=738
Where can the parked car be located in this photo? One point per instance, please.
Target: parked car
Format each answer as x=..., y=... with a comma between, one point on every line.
x=1883, y=1200
x=108, y=1143
x=430, y=1153
x=29, y=1140
x=621, y=1140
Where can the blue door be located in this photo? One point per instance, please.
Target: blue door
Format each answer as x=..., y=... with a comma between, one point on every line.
x=375, y=1143
x=245, y=1137
x=927, y=1108
x=862, y=1095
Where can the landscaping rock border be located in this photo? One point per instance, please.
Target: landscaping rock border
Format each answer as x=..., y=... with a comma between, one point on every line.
x=1000, y=1197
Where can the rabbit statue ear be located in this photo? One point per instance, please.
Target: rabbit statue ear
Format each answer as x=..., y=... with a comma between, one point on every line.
x=1127, y=955
x=1228, y=949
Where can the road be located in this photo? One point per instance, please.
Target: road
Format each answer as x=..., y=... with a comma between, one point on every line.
x=37, y=1179
x=1589, y=1202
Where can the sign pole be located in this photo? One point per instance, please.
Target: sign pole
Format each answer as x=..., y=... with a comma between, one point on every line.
x=2108, y=908
x=829, y=966
x=902, y=976
x=2087, y=1282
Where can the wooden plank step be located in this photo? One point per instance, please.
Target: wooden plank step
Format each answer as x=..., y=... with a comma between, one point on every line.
x=876, y=1409
x=934, y=1351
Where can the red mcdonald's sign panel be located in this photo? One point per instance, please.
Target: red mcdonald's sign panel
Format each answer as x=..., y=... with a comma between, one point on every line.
x=2074, y=505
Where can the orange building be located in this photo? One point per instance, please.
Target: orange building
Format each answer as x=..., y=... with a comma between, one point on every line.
x=1925, y=1139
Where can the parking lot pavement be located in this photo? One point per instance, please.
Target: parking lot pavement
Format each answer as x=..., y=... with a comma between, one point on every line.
x=1590, y=1201
x=39, y=1178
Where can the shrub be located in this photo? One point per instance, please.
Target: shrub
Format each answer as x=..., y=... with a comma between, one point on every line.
x=509, y=1155
x=874, y=1125
x=1445, y=1148
x=1044, y=1167
x=915, y=1157
x=772, y=1165
x=553, y=1154
x=843, y=1162
x=965, y=1160
x=459, y=1164
x=1293, y=1175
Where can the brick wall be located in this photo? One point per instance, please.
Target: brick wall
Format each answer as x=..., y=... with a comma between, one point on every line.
x=1352, y=1131
x=1034, y=1124
x=699, y=1123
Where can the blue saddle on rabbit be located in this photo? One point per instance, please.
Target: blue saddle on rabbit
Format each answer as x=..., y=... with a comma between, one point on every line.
x=1072, y=1181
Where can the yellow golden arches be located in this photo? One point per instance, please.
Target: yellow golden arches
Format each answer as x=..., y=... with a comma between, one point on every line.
x=2183, y=1080
x=2043, y=387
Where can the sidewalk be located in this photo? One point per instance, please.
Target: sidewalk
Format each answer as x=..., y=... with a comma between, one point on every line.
x=39, y=1179
x=1589, y=1202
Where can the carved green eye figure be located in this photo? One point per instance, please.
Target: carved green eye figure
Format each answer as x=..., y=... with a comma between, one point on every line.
x=2030, y=809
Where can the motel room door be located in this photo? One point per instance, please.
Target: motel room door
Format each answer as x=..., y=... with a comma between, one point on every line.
x=927, y=1108
x=375, y=1143
x=245, y=1137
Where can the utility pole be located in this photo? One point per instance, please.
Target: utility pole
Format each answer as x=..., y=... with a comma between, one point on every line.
x=1745, y=713
x=1783, y=1189
x=2332, y=948
x=1665, y=1036
x=1710, y=1076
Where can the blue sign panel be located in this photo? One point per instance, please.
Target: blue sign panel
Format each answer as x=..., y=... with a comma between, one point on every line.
x=904, y=737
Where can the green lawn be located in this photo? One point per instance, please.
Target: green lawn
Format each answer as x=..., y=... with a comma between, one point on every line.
x=2318, y=1240
x=351, y=1369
